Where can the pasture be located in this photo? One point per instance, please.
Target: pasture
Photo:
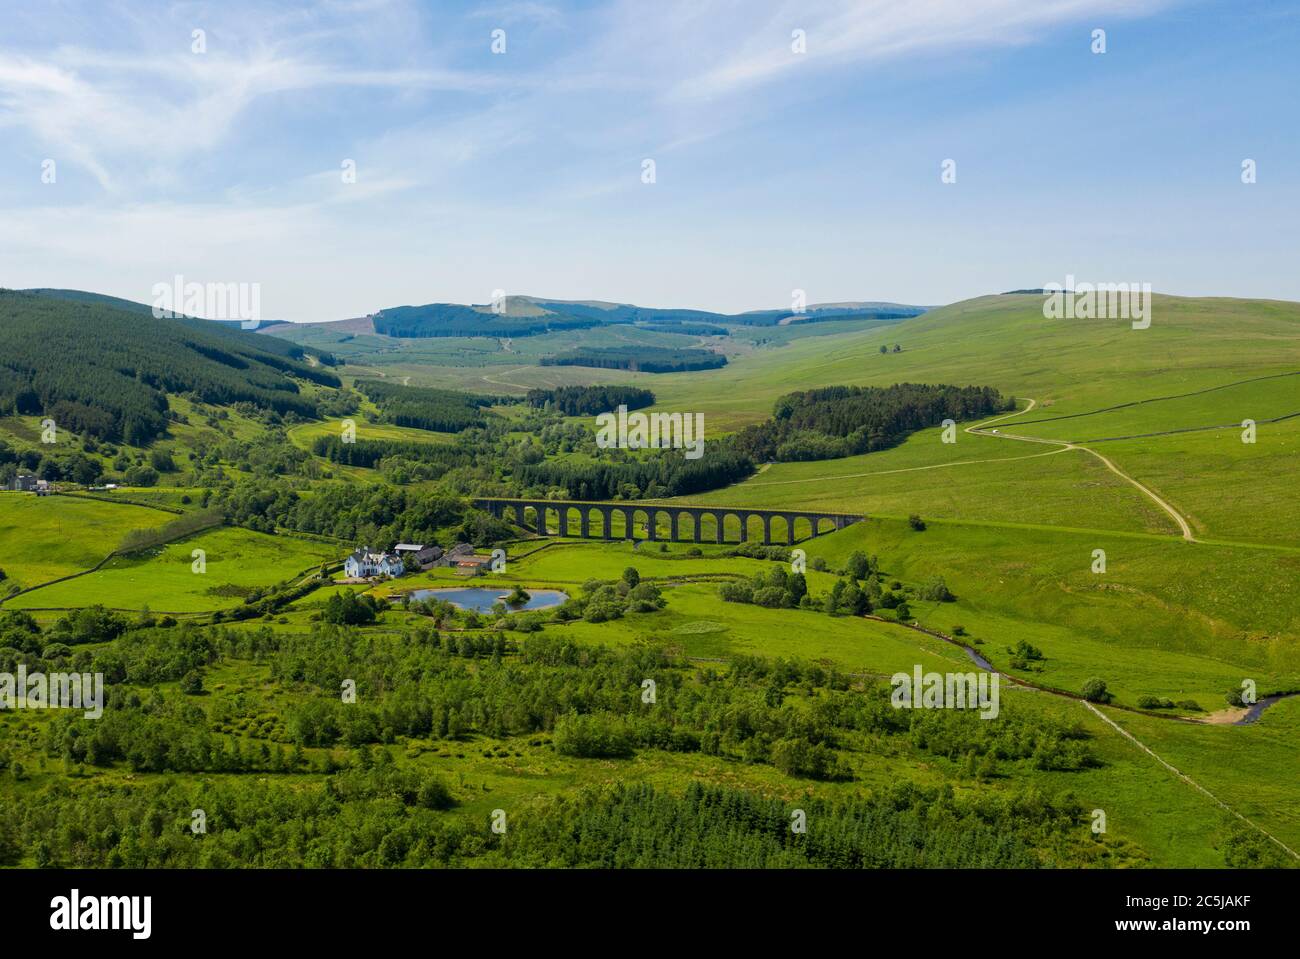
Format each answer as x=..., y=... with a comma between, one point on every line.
x=164, y=580
x=46, y=537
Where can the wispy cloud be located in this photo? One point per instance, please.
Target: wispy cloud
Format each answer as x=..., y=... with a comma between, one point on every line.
x=729, y=47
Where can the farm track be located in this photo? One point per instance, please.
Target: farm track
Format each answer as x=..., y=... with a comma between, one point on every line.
x=981, y=429
x=1062, y=446
x=488, y=379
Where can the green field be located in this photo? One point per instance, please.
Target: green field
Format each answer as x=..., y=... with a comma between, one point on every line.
x=46, y=537
x=164, y=579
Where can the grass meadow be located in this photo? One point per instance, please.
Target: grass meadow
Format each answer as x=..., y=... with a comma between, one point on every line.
x=163, y=579
x=47, y=537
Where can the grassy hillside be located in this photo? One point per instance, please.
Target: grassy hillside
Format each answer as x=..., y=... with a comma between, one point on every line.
x=1141, y=398
x=1067, y=365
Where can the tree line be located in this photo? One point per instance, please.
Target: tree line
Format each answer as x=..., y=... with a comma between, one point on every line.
x=590, y=400
x=646, y=359
x=839, y=421
x=425, y=408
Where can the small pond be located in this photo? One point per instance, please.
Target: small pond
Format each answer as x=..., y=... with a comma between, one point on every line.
x=482, y=600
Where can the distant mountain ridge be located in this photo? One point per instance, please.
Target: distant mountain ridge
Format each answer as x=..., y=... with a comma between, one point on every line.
x=531, y=315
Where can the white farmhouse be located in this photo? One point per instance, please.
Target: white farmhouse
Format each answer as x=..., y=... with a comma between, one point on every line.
x=365, y=562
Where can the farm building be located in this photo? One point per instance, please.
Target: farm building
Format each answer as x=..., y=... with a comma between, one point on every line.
x=472, y=565
x=418, y=556
x=458, y=552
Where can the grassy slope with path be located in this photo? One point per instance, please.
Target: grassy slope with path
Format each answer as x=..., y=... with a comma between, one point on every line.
x=1190, y=618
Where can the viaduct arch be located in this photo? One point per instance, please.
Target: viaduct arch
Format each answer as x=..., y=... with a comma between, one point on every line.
x=819, y=522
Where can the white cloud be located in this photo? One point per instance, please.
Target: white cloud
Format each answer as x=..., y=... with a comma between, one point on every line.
x=745, y=50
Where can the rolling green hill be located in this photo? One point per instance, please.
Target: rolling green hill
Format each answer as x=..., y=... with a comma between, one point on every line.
x=1067, y=365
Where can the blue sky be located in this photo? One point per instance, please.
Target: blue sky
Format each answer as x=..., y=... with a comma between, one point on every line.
x=774, y=170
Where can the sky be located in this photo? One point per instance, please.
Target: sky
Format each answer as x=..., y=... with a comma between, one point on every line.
x=795, y=146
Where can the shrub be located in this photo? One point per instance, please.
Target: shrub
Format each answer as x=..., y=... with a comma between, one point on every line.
x=857, y=566
x=736, y=593
x=1094, y=690
x=592, y=736
x=916, y=522
x=602, y=612
x=1023, y=654
x=798, y=757
x=1154, y=702
x=434, y=794
x=937, y=590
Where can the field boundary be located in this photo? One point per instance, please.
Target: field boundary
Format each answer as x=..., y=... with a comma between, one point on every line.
x=78, y=494
x=1186, y=429
x=100, y=565
x=1161, y=399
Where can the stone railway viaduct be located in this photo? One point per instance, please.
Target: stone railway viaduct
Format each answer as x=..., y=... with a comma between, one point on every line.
x=819, y=523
